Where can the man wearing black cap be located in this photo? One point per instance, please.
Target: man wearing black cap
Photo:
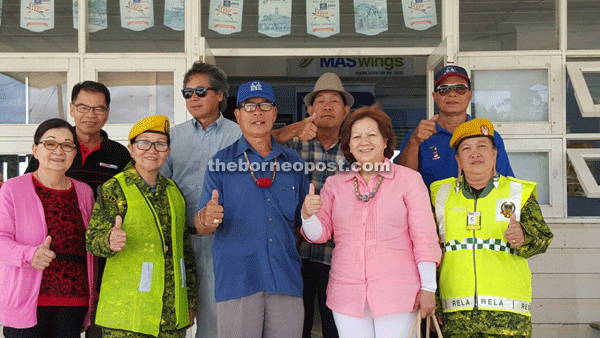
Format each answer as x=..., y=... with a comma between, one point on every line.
x=427, y=148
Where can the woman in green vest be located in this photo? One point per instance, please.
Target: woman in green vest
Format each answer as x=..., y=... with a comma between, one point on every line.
x=148, y=287
x=489, y=225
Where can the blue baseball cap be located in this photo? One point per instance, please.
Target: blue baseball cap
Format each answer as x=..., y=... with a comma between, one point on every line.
x=255, y=89
x=451, y=71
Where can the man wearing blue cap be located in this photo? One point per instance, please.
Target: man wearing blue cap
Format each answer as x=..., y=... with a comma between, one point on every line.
x=251, y=199
x=427, y=148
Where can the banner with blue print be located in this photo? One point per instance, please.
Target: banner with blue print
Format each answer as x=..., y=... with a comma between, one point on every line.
x=275, y=17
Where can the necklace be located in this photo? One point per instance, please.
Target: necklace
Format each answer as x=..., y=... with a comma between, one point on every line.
x=263, y=182
x=365, y=198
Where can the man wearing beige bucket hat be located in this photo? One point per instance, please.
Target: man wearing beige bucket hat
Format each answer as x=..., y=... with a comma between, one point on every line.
x=316, y=139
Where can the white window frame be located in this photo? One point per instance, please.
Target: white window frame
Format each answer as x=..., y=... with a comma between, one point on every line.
x=580, y=87
x=524, y=61
x=556, y=176
x=18, y=138
x=151, y=63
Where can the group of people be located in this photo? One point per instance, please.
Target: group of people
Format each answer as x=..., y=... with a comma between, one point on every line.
x=239, y=228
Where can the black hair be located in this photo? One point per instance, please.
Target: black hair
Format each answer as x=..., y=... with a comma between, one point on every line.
x=53, y=124
x=93, y=87
x=217, y=79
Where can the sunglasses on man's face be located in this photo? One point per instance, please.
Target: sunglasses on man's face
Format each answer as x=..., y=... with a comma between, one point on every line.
x=444, y=90
x=200, y=91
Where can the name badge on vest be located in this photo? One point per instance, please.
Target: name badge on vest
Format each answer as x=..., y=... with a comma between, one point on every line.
x=474, y=220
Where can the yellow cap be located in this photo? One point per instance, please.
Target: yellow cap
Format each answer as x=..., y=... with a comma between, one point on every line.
x=158, y=123
x=475, y=127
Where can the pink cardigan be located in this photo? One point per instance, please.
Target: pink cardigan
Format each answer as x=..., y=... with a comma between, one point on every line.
x=377, y=243
x=22, y=230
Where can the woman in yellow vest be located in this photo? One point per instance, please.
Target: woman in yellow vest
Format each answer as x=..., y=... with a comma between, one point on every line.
x=148, y=287
x=488, y=226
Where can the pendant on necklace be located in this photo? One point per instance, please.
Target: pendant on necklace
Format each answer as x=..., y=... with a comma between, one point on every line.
x=264, y=182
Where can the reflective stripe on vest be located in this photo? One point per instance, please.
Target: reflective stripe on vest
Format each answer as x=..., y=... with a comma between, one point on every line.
x=440, y=203
x=490, y=243
x=489, y=302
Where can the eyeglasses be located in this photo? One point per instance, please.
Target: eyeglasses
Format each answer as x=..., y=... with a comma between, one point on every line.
x=146, y=145
x=200, y=91
x=251, y=106
x=52, y=145
x=84, y=109
x=444, y=90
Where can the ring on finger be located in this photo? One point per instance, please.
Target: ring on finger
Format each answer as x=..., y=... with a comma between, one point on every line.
x=216, y=221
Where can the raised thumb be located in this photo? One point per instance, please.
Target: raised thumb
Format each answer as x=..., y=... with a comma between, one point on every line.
x=215, y=196
x=47, y=242
x=435, y=118
x=311, y=189
x=118, y=222
x=513, y=220
x=312, y=118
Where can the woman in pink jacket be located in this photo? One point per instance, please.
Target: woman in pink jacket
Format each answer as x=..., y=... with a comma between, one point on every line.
x=46, y=276
x=386, y=246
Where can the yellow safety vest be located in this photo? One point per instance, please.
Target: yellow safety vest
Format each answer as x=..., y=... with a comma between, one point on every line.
x=480, y=270
x=131, y=295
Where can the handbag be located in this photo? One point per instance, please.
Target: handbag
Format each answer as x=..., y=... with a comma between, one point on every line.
x=417, y=326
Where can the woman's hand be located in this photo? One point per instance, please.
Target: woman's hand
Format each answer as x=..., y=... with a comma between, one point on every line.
x=117, y=237
x=43, y=256
x=425, y=302
x=312, y=203
x=514, y=234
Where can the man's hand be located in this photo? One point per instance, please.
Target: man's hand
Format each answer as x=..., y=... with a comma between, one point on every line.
x=312, y=203
x=514, y=234
x=117, y=237
x=211, y=215
x=43, y=256
x=308, y=129
x=424, y=130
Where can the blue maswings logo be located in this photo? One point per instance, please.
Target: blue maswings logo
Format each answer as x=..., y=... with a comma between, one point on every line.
x=305, y=62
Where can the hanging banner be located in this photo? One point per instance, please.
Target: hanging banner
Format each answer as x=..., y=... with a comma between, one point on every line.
x=225, y=16
x=175, y=14
x=96, y=15
x=351, y=66
x=37, y=15
x=137, y=15
x=322, y=17
x=419, y=14
x=370, y=16
x=275, y=17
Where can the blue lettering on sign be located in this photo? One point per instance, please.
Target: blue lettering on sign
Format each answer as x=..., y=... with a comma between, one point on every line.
x=337, y=62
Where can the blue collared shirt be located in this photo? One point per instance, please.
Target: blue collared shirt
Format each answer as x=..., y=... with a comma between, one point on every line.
x=437, y=161
x=191, y=149
x=255, y=246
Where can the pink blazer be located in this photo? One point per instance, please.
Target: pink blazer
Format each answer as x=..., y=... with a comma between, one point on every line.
x=377, y=243
x=22, y=230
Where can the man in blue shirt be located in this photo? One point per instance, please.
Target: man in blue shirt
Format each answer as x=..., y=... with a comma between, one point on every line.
x=427, y=148
x=193, y=144
x=251, y=199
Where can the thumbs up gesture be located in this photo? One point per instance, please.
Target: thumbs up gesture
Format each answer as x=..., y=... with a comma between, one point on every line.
x=117, y=237
x=211, y=215
x=308, y=129
x=43, y=256
x=312, y=203
x=514, y=234
x=425, y=129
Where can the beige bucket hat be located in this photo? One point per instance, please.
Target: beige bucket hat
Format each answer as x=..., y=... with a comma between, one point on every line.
x=329, y=81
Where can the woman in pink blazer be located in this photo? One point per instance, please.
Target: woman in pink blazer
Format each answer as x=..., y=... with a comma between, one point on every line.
x=386, y=246
x=46, y=276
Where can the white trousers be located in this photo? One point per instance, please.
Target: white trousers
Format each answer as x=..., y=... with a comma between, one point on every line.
x=395, y=325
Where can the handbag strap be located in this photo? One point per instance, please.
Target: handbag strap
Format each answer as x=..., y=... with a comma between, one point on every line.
x=417, y=326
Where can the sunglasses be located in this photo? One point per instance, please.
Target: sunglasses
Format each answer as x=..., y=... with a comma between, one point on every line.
x=444, y=90
x=200, y=91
